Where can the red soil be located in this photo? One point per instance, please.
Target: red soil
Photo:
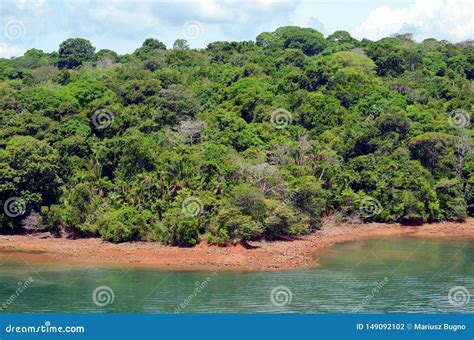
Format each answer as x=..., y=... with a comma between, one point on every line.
x=276, y=255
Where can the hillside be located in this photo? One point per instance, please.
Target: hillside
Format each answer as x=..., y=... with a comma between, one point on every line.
x=238, y=141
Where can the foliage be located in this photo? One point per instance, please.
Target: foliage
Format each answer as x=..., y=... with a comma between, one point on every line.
x=264, y=138
x=74, y=52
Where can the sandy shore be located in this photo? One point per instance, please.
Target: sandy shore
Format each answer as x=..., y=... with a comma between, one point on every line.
x=277, y=255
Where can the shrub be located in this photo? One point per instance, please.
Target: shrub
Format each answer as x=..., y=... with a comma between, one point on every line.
x=187, y=233
x=177, y=229
x=231, y=225
x=50, y=218
x=124, y=224
x=452, y=203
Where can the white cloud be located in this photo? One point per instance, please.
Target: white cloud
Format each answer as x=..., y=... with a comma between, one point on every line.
x=123, y=25
x=452, y=20
x=8, y=51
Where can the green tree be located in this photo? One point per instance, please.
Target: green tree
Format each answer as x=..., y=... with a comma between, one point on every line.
x=30, y=172
x=320, y=112
x=181, y=44
x=308, y=40
x=435, y=151
x=230, y=225
x=149, y=46
x=74, y=52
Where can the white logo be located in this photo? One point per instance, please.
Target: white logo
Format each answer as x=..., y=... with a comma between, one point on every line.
x=459, y=119
x=102, y=118
x=458, y=296
x=281, y=296
x=192, y=29
x=14, y=29
x=280, y=118
x=14, y=207
x=369, y=207
x=103, y=296
x=192, y=206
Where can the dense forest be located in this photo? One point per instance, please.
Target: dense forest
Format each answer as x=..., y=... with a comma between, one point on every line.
x=237, y=141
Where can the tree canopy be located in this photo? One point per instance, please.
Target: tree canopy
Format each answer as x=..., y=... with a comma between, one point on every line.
x=237, y=141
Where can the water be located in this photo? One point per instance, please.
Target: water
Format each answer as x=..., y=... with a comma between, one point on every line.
x=398, y=274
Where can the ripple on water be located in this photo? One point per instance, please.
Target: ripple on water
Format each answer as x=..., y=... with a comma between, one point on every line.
x=390, y=275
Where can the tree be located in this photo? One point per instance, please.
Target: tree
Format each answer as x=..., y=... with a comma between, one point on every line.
x=30, y=172
x=78, y=205
x=229, y=129
x=106, y=58
x=250, y=200
x=191, y=130
x=453, y=205
x=435, y=151
x=263, y=138
x=350, y=84
x=124, y=224
x=230, y=225
x=74, y=52
x=154, y=44
x=282, y=220
x=179, y=229
x=181, y=44
x=307, y=40
x=265, y=176
x=249, y=97
x=463, y=147
x=320, y=112
x=149, y=46
x=342, y=37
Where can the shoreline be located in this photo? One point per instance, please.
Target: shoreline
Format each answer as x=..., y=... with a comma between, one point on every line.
x=261, y=256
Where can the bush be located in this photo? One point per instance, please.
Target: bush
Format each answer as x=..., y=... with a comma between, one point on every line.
x=282, y=220
x=230, y=225
x=50, y=218
x=310, y=198
x=124, y=224
x=452, y=203
x=219, y=236
x=177, y=229
x=187, y=234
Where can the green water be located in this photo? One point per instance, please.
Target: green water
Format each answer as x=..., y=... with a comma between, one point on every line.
x=386, y=275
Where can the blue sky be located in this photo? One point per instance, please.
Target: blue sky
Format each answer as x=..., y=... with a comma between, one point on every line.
x=123, y=25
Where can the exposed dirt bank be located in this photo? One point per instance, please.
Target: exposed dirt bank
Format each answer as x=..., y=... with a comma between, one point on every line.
x=277, y=255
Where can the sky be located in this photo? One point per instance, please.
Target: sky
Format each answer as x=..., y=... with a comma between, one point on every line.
x=123, y=25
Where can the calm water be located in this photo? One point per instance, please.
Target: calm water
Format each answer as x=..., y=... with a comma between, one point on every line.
x=387, y=275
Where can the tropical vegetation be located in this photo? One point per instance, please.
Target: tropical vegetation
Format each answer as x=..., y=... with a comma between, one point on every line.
x=237, y=141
